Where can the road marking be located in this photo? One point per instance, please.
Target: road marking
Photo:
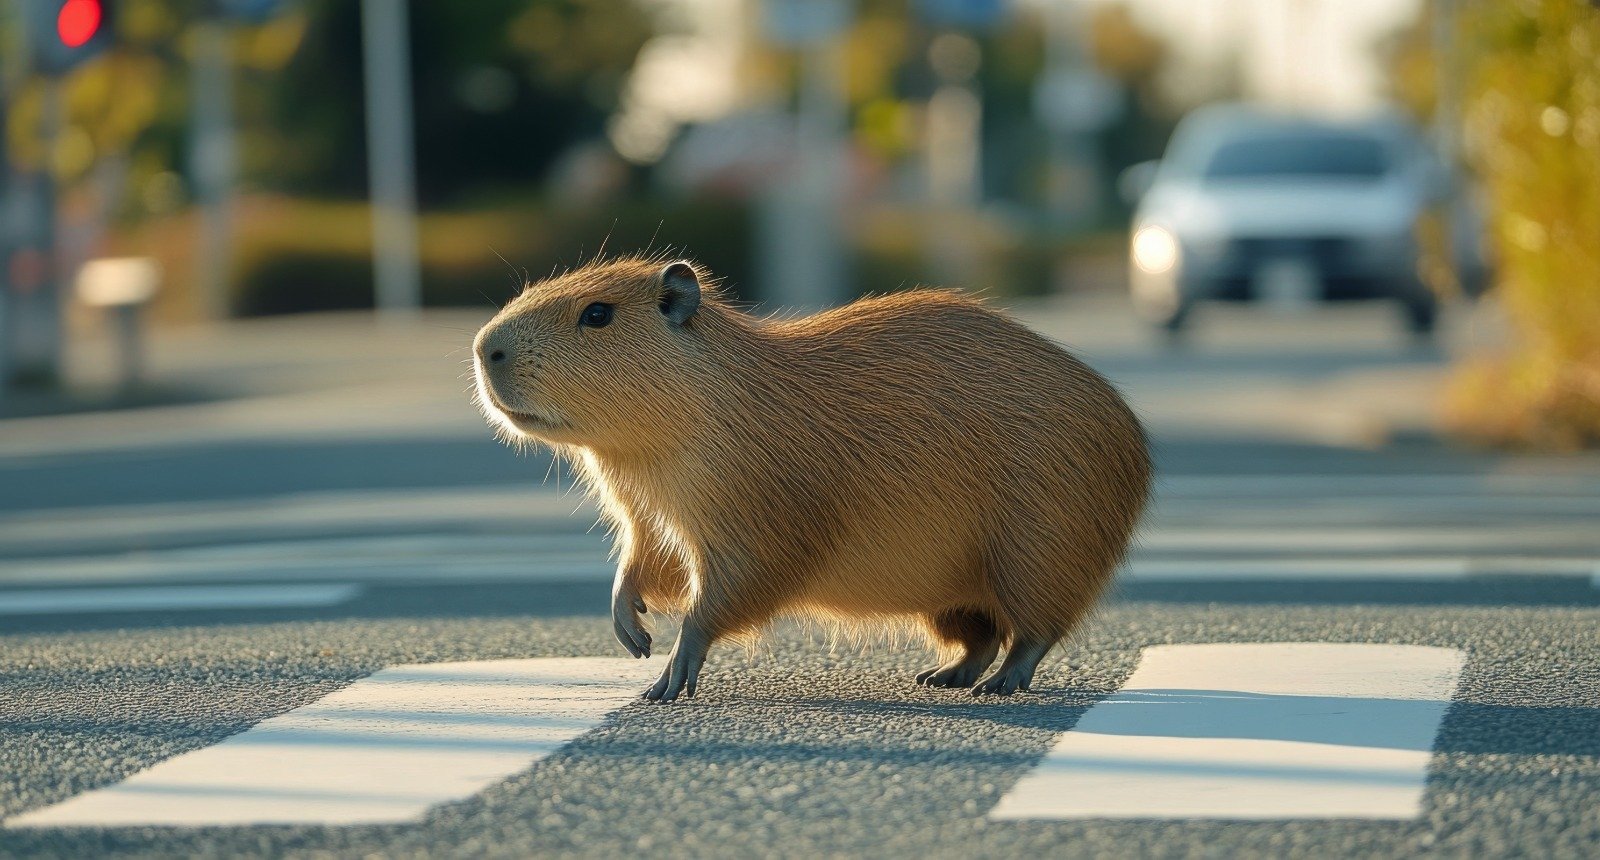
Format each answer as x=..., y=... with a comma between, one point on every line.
x=1244, y=731
x=1295, y=485
x=338, y=512
x=385, y=749
x=1574, y=537
x=1386, y=569
x=64, y=601
x=425, y=570
x=1315, y=508
x=547, y=557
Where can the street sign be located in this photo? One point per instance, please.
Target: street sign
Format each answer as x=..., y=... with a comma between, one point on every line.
x=975, y=14
x=249, y=11
x=1077, y=101
x=799, y=23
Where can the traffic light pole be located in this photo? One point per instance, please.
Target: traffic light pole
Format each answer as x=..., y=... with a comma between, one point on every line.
x=34, y=319
x=391, y=162
x=213, y=162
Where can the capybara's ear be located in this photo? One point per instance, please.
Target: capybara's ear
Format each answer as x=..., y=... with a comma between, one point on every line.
x=680, y=292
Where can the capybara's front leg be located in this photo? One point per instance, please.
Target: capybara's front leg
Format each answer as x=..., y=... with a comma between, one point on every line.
x=626, y=606
x=725, y=604
x=682, y=671
x=646, y=571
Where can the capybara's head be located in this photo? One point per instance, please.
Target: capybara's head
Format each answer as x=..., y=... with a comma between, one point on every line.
x=595, y=357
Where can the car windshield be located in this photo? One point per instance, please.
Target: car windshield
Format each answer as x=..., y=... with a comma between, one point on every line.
x=1300, y=154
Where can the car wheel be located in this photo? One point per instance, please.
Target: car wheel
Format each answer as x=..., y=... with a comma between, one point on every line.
x=1172, y=326
x=1421, y=316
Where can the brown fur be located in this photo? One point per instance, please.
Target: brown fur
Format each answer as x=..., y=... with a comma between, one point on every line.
x=912, y=455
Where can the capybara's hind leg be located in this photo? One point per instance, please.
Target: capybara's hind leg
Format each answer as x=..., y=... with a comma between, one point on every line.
x=1042, y=590
x=975, y=633
x=1016, y=671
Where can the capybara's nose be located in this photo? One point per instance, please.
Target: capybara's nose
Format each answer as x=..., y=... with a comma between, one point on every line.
x=493, y=349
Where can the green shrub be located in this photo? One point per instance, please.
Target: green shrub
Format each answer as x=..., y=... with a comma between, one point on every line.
x=305, y=255
x=315, y=255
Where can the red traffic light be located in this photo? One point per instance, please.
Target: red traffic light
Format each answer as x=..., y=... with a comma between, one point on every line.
x=78, y=21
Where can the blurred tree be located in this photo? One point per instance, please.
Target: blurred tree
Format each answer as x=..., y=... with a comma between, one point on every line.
x=503, y=87
x=1126, y=50
x=1532, y=127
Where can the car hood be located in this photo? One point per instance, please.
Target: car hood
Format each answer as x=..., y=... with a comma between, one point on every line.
x=1329, y=208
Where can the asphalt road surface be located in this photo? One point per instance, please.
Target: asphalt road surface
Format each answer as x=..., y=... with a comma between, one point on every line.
x=373, y=646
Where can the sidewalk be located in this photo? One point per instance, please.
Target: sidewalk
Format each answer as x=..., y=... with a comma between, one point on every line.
x=1337, y=375
x=303, y=377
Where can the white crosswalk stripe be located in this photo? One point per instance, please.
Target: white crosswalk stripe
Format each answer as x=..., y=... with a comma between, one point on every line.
x=1224, y=731
x=1440, y=568
x=385, y=749
x=154, y=598
x=1247, y=731
x=1290, y=527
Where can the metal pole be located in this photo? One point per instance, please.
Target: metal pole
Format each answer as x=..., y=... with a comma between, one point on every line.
x=953, y=159
x=1074, y=178
x=1447, y=127
x=8, y=233
x=214, y=163
x=390, y=159
x=821, y=123
x=35, y=317
x=800, y=245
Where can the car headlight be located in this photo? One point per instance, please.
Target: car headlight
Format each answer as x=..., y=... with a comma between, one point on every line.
x=1155, y=250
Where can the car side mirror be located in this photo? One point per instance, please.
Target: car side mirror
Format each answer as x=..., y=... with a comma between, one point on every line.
x=1135, y=182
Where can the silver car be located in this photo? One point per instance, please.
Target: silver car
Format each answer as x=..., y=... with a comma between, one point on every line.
x=1253, y=206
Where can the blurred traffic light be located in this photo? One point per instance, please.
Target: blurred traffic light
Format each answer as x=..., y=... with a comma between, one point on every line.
x=67, y=33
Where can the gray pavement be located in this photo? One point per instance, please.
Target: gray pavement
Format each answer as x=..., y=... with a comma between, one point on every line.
x=803, y=750
x=1299, y=501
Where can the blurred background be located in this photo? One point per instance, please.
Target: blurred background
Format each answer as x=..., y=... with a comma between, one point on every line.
x=1342, y=257
x=237, y=219
x=247, y=158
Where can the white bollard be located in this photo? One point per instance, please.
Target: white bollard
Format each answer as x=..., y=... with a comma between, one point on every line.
x=122, y=286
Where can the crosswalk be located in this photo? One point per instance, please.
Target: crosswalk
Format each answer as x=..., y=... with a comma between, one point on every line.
x=385, y=749
x=1305, y=728
x=1250, y=731
x=1164, y=557
x=48, y=601
x=1207, y=731
x=1227, y=528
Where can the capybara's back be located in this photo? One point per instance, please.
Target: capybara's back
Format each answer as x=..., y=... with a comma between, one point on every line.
x=976, y=474
x=914, y=455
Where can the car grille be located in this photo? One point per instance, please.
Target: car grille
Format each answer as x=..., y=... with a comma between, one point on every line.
x=1330, y=255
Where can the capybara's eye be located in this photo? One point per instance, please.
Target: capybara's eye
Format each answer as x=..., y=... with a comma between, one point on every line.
x=596, y=315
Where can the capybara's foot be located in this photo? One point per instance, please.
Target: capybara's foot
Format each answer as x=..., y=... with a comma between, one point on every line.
x=1003, y=682
x=1016, y=673
x=682, y=671
x=956, y=673
x=948, y=675
x=625, y=608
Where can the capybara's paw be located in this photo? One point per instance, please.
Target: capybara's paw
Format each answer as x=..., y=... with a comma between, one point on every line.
x=955, y=674
x=625, y=609
x=680, y=675
x=659, y=688
x=1003, y=682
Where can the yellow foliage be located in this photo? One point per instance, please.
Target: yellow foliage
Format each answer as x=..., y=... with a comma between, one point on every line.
x=1533, y=125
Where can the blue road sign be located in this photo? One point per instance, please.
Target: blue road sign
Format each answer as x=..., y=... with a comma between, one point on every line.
x=963, y=13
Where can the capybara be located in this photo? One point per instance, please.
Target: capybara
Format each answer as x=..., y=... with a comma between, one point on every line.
x=911, y=456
